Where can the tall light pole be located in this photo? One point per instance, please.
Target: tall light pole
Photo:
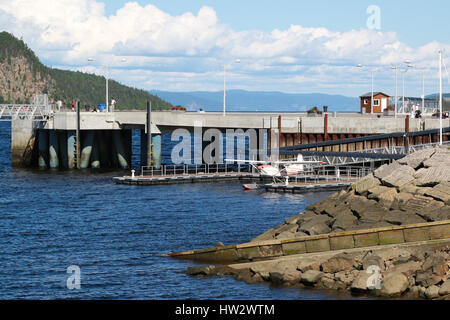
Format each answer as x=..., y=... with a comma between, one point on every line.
x=440, y=97
x=106, y=77
x=396, y=89
x=224, y=85
x=371, y=99
x=408, y=65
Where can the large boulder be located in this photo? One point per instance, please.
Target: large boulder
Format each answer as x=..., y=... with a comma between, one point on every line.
x=311, y=277
x=360, y=283
x=400, y=177
x=394, y=284
x=416, y=159
x=440, y=192
x=365, y=184
x=337, y=263
x=445, y=288
x=431, y=176
x=398, y=217
x=316, y=225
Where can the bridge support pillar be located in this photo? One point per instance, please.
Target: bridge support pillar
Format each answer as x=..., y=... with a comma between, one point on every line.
x=95, y=154
x=86, y=150
x=53, y=149
x=122, y=157
x=156, y=151
x=274, y=144
x=43, y=149
x=71, y=140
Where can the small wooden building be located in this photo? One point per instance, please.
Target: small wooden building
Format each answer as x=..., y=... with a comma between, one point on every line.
x=380, y=102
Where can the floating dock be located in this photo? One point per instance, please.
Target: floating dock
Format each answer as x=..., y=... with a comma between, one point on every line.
x=308, y=187
x=191, y=178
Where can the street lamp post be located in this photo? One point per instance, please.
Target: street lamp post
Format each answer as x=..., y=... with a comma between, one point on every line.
x=371, y=97
x=224, y=85
x=106, y=77
x=440, y=97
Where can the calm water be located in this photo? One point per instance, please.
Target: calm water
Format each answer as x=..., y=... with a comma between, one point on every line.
x=51, y=220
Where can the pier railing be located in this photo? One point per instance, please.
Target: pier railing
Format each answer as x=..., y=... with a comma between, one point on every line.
x=185, y=169
x=325, y=175
x=311, y=175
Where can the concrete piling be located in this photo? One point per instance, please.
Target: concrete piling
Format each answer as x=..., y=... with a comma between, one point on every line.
x=71, y=149
x=53, y=149
x=86, y=150
x=95, y=155
x=120, y=150
x=43, y=149
x=156, y=151
x=62, y=141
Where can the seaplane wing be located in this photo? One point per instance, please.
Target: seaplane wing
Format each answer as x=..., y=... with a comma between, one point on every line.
x=299, y=162
x=247, y=161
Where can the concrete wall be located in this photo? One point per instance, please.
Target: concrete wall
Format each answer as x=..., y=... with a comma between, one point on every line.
x=23, y=136
x=320, y=243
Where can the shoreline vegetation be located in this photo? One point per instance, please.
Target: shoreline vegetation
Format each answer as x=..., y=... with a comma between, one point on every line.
x=411, y=190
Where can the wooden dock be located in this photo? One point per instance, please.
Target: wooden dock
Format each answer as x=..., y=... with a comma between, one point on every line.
x=265, y=182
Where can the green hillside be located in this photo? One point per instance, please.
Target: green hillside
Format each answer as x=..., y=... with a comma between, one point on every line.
x=22, y=75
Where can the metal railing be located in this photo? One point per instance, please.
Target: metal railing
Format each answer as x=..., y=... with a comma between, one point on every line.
x=10, y=112
x=358, y=156
x=186, y=169
x=325, y=175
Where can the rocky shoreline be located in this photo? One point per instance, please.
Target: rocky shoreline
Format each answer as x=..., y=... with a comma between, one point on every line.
x=412, y=273
x=414, y=189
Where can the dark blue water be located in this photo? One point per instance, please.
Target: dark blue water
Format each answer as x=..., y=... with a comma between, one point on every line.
x=114, y=233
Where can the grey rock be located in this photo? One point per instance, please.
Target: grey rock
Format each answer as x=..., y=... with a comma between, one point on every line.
x=425, y=177
x=360, y=282
x=445, y=288
x=394, y=284
x=200, y=270
x=365, y=184
x=415, y=160
x=400, y=177
x=386, y=169
x=440, y=192
x=398, y=217
x=337, y=263
x=316, y=225
x=432, y=292
x=311, y=277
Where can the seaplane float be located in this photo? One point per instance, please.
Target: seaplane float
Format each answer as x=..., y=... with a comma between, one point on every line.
x=278, y=170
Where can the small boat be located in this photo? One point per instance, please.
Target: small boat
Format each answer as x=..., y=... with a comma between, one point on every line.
x=251, y=186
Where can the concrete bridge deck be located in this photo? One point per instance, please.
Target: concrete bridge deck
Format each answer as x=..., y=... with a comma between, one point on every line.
x=163, y=121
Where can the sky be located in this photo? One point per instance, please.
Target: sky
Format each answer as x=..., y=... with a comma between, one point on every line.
x=288, y=46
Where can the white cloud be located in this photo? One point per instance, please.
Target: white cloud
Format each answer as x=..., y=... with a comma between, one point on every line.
x=186, y=52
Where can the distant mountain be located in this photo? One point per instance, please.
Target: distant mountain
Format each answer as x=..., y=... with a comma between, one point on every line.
x=22, y=75
x=241, y=100
x=436, y=96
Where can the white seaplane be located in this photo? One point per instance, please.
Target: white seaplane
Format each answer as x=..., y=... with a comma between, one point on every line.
x=277, y=169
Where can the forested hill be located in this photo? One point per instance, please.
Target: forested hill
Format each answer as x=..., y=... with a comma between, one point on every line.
x=22, y=75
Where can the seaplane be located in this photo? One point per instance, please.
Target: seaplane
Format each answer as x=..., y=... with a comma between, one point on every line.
x=277, y=169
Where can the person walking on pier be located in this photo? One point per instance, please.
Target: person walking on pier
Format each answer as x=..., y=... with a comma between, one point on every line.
x=73, y=106
x=113, y=104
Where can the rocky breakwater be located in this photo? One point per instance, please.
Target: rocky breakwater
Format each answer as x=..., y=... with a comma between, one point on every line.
x=415, y=189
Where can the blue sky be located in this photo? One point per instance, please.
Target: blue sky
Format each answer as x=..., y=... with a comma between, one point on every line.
x=290, y=46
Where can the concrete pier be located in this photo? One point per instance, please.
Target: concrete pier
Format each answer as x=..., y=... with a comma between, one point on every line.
x=105, y=138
